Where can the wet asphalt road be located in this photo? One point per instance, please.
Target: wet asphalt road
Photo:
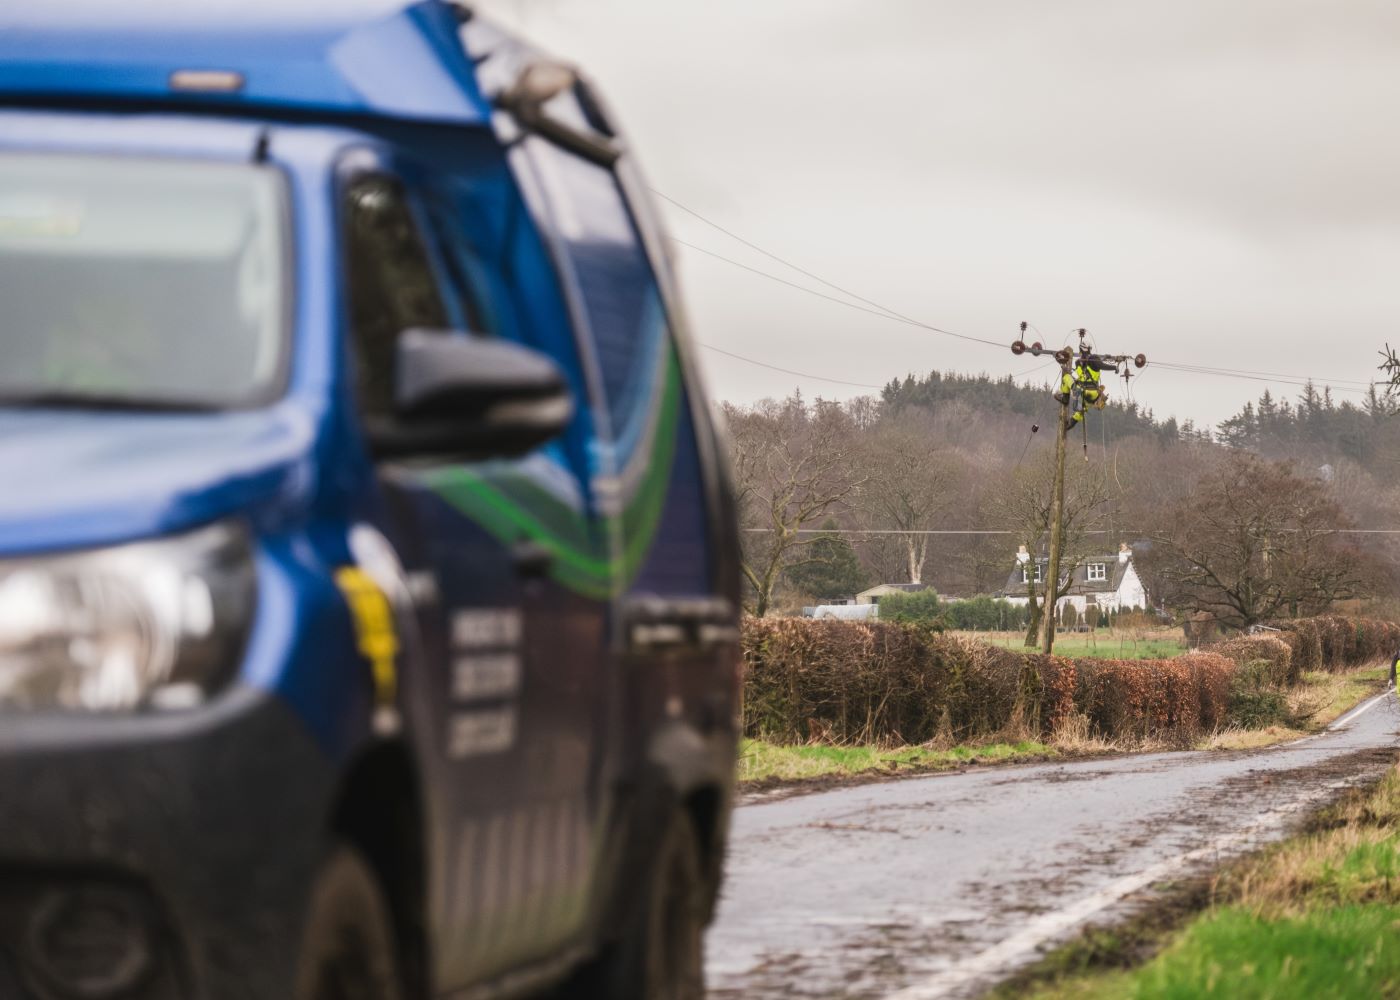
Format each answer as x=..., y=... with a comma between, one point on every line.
x=937, y=886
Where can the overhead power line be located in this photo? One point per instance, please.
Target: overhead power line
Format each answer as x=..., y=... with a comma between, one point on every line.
x=883, y=314
x=772, y=256
x=1323, y=379
x=879, y=309
x=1300, y=383
x=787, y=371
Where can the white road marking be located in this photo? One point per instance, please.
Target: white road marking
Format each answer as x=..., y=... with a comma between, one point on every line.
x=1023, y=945
x=1346, y=718
x=1365, y=706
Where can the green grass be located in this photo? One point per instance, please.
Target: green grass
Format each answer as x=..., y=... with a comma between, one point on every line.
x=1346, y=951
x=762, y=762
x=1315, y=916
x=1103, y=644
x=1339, y=693
x=1232, y=952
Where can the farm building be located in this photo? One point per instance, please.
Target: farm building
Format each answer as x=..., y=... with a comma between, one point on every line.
x=873, y=595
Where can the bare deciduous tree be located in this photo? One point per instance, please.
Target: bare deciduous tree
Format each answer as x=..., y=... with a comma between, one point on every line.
x=980, y=560
x=910, y=484
x=1256, y=541
x=793, y=465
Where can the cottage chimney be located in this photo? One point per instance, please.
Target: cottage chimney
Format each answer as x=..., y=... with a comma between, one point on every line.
x=1124, y=553
x=1023, y=556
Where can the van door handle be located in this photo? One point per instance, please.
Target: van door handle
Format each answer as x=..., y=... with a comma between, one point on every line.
x=532, y=559
x=700, y=623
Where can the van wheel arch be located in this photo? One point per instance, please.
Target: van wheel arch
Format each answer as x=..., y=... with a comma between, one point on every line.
x=379, y=811
x=704, y=805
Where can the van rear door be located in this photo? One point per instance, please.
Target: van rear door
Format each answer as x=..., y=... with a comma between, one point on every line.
x=675, y=635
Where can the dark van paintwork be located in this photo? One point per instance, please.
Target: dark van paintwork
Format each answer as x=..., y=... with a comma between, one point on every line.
x=565, y=665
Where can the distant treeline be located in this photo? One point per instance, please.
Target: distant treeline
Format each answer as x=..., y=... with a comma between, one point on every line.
x=1363, y=429
x=940, y=478
x=937, y=389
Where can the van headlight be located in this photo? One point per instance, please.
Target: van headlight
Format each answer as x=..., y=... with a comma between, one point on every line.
x=158, y=624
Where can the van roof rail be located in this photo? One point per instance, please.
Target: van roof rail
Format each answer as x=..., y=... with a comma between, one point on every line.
x=348, y=57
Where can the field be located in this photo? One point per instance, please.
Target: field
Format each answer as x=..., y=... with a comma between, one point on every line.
x=1137, y=644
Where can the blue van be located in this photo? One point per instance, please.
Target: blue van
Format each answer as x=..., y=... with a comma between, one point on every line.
x=368, y=569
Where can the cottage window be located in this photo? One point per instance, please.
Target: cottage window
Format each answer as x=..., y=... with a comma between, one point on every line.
x=1098, y=571
x=1039, y=574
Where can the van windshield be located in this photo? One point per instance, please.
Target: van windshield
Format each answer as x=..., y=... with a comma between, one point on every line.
x=139, y=282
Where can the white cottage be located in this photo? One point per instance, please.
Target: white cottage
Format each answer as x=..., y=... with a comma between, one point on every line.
x=1112, y=583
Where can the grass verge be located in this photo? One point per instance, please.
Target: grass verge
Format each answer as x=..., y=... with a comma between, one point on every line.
x=1315, y=703
x=763, y=763
x=1314, y=916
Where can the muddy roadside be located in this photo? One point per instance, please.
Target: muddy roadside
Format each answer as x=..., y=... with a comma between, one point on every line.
x=771, y=789
x=1093, y=959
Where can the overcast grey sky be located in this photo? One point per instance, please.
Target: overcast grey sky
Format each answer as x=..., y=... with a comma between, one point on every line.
x=1207, y=182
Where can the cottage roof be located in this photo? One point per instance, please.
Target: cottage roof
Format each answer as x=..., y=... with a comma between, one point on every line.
x=1114, y=571
x=908, y=588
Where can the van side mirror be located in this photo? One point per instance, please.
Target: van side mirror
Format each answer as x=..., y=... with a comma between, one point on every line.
x=542, y=81
x=465, y=396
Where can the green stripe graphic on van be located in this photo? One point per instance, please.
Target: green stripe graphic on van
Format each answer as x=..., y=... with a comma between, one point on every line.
x=512, y=506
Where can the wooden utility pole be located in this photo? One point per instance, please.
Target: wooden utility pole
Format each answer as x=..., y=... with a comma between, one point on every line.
x=1057, y=517
x=1057, y=498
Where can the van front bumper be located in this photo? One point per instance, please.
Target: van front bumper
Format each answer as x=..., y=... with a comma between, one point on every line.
x=158, y=857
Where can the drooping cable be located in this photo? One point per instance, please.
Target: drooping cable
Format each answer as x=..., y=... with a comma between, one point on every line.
x=879, y=309
x=882, y=313
x=787, y=371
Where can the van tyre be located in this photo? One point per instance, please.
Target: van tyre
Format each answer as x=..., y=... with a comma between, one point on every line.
x=348, y=950
x=660, y=956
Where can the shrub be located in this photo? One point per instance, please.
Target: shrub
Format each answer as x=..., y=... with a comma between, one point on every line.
x=1331, y=642
x=918, y=606
x=1176, y=699
x=1268, y=649
x=985, y=614
x=1255, y=698
x=1135, y=618
x=869, y=682
x=891, y=682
